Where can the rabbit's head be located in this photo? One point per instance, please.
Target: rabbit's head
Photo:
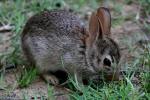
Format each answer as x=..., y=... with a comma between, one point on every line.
x=102, y=52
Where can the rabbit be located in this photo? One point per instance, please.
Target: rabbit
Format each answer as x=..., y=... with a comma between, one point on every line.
x=58, y=40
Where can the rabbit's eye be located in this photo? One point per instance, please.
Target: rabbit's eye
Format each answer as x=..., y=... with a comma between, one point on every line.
x=107, y=62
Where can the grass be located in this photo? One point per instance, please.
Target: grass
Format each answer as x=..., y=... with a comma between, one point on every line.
x=2, y=83
x=50, y=93
x=145, y=6
x=123, y=91
x=16, y=12
x=26, y=77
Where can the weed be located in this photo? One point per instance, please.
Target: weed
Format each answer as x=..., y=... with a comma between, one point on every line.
x=27, y=77
x=145, y=76
x=50, y=92
x=145, y=6
x=2, y=83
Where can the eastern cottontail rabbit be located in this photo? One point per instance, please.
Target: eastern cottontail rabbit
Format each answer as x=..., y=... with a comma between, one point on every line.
x=58, y=41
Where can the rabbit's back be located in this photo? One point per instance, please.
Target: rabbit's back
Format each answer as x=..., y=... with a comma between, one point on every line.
x=57, y=20
x=52, y=37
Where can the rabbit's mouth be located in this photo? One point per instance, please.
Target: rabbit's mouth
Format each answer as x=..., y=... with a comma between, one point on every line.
x=101, y=76
x=109, y=75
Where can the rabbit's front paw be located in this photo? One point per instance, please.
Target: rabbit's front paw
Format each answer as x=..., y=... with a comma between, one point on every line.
x=51, y=79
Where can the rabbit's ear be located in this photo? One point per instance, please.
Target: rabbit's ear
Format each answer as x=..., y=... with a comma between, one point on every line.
x=104, y=17
x=94, y=27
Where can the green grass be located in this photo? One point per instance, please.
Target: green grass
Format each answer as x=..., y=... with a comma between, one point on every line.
x=27, y=76
x=112, y=91
x=2, y=83
x=16, y=12
x=145, y=6
x=50, y=92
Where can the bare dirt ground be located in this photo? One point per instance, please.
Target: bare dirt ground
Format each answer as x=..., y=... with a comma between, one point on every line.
x=129, y=30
